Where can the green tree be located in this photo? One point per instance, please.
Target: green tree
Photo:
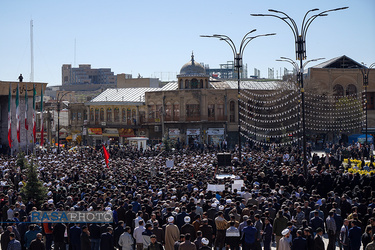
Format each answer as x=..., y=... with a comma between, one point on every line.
x=21, y=161
x=34, y=187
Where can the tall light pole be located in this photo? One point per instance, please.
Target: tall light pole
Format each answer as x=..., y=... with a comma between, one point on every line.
x=299, y=76
x=365, y=72
x=238, y=55
x=59, y=98
x=300, y=47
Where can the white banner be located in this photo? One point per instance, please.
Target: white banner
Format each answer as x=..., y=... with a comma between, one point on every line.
x=193, y=131
x=215, y=188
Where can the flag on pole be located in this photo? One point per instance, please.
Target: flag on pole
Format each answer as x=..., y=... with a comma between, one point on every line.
x=26, y=109
x=106, y=156
x=10, y=116
x=34, y=118
x=41, y=118
x=18, y=114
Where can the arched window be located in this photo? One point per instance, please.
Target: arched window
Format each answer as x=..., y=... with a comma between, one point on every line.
x=338, y=90
x=176, y=111
x=92, y=115
x=231, y=111
x=211, y=111
x=129, y=116
x=116, y=114
x=96, y=116
x=351, y=89
x=102, y=115
x=206, y=84
x=109, y=114
x=194, y=83
x=123, y=115
x=181, y=84
x=85, y=115
x=134, y=117
x=168, y=111
x=201, y=84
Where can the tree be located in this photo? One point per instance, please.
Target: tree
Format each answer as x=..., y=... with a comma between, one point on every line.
x=34, y=187
x=21, y=161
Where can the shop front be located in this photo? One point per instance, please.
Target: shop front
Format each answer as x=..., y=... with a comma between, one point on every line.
x=112, y=135
x=95, y=136
x=193, y=136
x=215, y=136
x=124, y=134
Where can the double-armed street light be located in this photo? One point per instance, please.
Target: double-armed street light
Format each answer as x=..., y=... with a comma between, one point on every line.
x=238, y=55
x=300, y=48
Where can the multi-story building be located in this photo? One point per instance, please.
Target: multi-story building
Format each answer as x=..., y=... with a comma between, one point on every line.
x=84, y=74
x=117, y=114
x=201, y=110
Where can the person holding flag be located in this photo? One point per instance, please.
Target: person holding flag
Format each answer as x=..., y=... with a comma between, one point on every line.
x=106, y=155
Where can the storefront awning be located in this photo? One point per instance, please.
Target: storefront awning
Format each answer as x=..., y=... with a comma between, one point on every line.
x=111, y=132
x=126, y=132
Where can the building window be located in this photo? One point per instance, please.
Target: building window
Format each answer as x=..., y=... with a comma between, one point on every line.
x=201, y=84
x=211, y=110
x=129, y=116
x=151, y=111
x=231, y=111
x=181, y=84
x=79, y=116
x=186, y=84
x=168, y=111
x=194, y=83
x=102, y=115
x=158, y=111
x=116, y=114
x=85, y=115
x=220, y=111
x=193, y=110
x=74, y=116
x=351, y=89
x=338, y=90
x=134, y=117
x=96, y=115
x=123, y=115
x=176, y=111
x=109, y=114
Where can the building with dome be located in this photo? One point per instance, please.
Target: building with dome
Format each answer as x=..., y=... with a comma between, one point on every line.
x=201, y=110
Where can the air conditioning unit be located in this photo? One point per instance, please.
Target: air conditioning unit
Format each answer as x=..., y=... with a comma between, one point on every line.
x=157, y=129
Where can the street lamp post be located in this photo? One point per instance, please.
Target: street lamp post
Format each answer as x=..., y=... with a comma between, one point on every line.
x=58, y=118
x=299, y=74
x=238, y=55
x=365, y=72
x=300, y=47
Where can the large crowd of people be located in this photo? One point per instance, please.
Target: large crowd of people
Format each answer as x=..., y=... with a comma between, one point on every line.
x=160, y=200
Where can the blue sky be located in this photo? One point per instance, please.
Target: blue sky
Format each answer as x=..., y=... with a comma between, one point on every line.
x=149, y=37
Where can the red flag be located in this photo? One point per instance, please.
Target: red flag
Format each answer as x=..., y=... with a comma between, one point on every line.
x=106, y=155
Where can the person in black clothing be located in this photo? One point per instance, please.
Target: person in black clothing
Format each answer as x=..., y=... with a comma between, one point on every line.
x=118, y=231
x=37, y=244
x=130, y=216
x=106, y=240
x=85, y=240
x=309, y=239
x=154, y=244
x=95, y=236
x=299, y=243
x=58, y=236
